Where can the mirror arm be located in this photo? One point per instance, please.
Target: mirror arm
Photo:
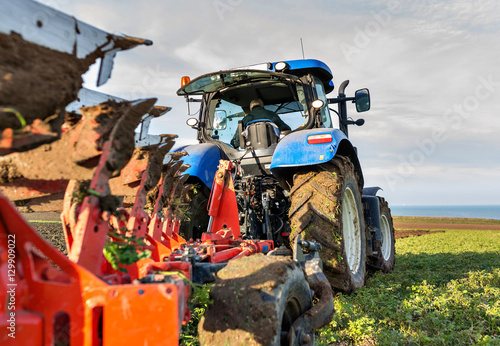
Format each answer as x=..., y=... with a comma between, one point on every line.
x=358, y=122
x=337, y=100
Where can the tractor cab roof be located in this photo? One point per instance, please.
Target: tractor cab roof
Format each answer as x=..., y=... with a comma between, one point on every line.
x=300, y=68
x=290, y=69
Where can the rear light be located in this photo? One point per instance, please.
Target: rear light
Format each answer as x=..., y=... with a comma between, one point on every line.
x=185, y=80
x=319, y=139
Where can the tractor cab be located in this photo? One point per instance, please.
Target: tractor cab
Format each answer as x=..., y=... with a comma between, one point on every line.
x=295, y=91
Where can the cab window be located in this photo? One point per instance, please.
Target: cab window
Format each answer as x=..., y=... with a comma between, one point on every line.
x=229, y=106
x=325, y=112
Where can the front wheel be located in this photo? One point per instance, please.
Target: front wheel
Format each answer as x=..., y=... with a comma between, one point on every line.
x=386, y=250
x=256, y=300
x=326, y=207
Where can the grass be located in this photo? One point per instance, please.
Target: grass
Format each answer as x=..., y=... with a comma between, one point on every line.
x=444, y=290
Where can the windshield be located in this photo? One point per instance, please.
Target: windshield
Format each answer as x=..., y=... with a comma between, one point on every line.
x=226, y=108
x=220, y=80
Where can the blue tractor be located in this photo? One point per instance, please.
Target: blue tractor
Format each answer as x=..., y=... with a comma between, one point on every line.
x=300, y=179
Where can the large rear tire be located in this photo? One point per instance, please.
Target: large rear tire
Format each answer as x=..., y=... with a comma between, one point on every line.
x=198, y=214
x=326, y=207
x=256, y=299
x=386, y=250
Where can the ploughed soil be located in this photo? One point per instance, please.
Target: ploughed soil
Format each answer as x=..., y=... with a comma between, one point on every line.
x=47, y=204
x=426, y=225
x=412, y=226
x=412, y=233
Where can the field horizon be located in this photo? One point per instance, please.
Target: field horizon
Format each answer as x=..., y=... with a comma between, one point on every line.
x=428, y=223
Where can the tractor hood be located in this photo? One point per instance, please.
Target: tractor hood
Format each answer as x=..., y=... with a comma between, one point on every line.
x=224, y=79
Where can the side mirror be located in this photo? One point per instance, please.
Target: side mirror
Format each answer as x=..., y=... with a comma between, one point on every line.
x=192, y=122
x=362, y=100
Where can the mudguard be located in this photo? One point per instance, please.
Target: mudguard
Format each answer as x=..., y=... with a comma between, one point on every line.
x=294, y=150
x=371, y=191
x=203, y=159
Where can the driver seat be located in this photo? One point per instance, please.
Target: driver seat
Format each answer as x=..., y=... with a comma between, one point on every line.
x=259, y=134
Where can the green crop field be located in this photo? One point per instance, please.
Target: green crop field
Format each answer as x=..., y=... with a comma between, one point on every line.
x=445, y=290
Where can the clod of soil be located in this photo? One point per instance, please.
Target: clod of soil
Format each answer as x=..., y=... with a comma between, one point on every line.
x=71, y=156
x=412, y=233
x=8, y=171
x=36, y=81
x=239, y=306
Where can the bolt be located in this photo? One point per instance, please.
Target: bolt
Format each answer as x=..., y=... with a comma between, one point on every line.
x=305, y=339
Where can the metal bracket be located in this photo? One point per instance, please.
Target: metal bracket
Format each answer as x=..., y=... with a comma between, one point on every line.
x=312, y=250
x=302, y=331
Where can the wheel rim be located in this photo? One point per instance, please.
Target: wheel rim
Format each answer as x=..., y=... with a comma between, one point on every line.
x=386, y=237
x=291, y=313
x=351, y=231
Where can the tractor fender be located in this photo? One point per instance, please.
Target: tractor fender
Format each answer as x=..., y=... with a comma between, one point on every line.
x=203, y=160
x=294, y=151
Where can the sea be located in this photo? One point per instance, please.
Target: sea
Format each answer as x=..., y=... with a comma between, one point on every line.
x=470, y=211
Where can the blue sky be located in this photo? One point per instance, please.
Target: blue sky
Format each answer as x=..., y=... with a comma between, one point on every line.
x=432, y=135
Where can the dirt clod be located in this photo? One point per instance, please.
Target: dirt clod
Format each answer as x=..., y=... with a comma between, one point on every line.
x=239, y=308
x=8, y=172
x=36, y=81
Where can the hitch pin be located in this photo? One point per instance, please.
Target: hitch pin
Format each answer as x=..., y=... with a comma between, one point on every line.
x=310, y=245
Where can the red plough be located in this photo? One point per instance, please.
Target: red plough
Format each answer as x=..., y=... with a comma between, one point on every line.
x=128, y=274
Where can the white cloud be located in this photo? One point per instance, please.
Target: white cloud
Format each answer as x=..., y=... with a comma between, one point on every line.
x=202, y=56
x=426, y=59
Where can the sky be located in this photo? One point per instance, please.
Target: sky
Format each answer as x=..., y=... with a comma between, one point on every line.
x=433, y=132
